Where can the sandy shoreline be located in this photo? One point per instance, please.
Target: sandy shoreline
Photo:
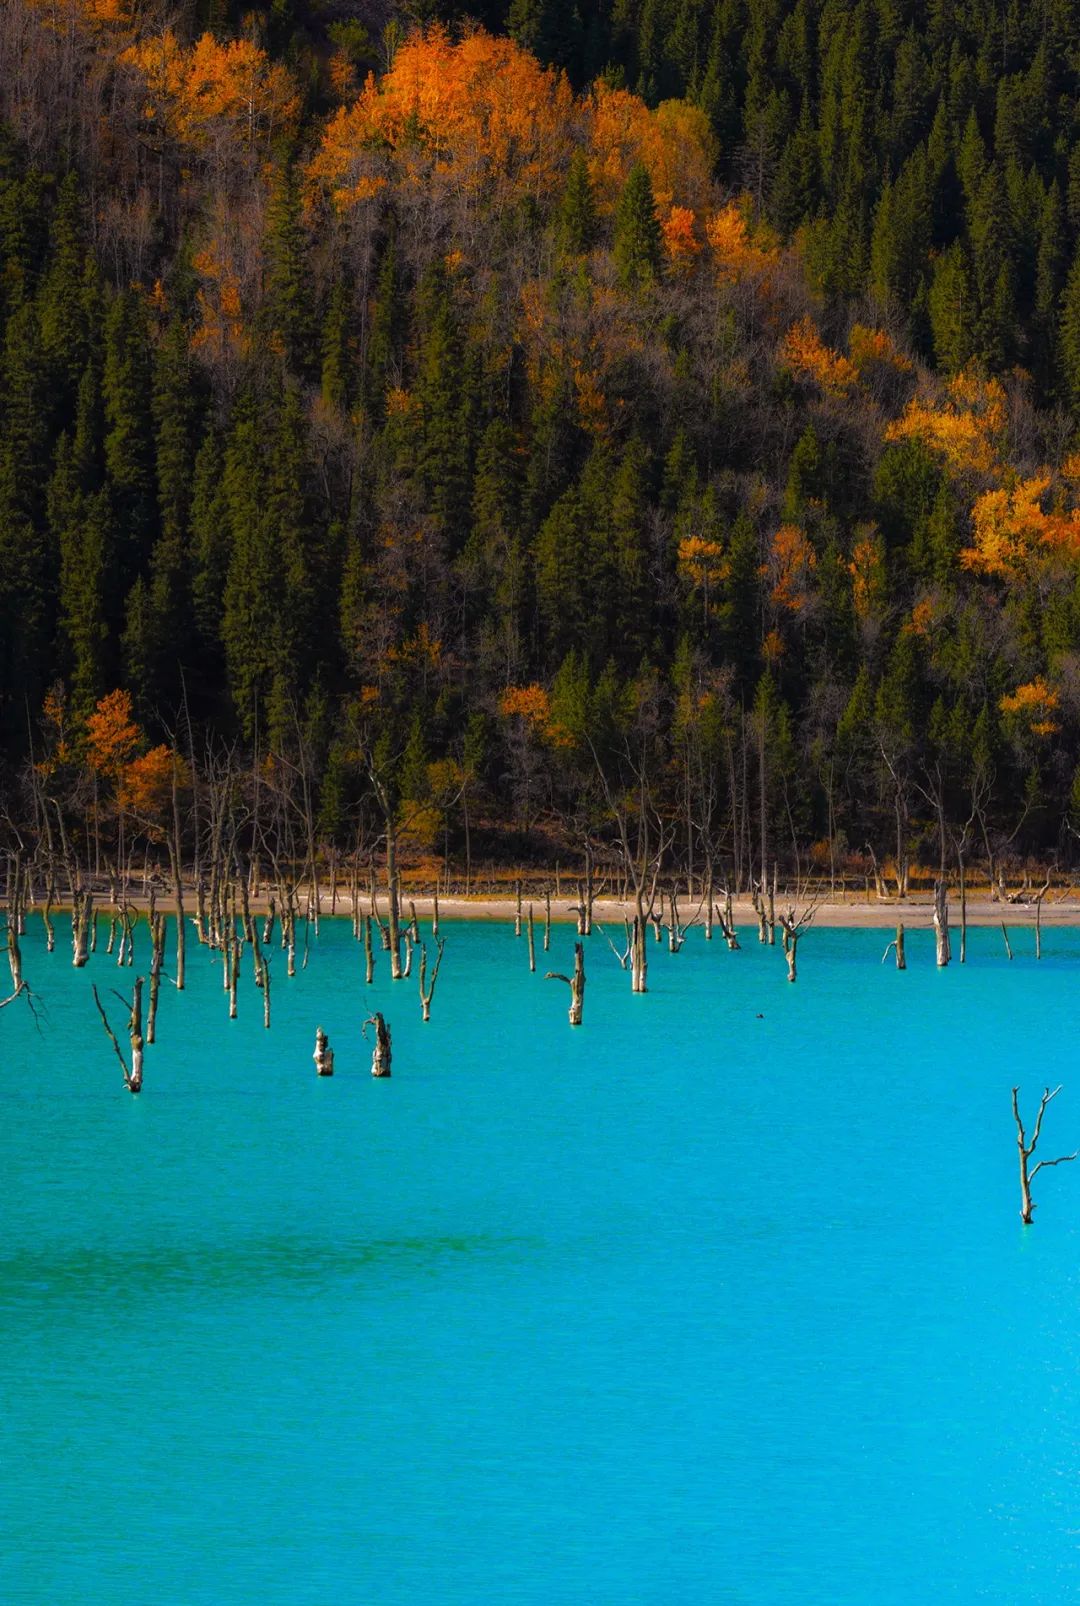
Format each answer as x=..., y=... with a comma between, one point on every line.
x=915, y=912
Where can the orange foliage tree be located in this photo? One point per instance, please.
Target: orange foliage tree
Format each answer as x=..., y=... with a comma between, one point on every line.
x=498, y=124
x=112, y=736
x=964, y=428
x=1012, y=532
x=792, y=561
x=209, y=92
x=807, y=355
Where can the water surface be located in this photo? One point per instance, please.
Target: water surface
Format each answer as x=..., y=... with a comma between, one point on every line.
x=722, y=1297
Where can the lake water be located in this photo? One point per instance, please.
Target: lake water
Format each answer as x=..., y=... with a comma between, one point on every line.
x=685, y=1305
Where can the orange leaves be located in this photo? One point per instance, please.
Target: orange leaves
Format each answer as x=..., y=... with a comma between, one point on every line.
x=807, y=355
x=146, y=783
x=792, y=561
x=680, y=241
x=1011, y=530
x=209, y=90
x=1033, y=704
x=483, y=107
x=111, y=734
x=964, y=429
x=922, y=619
x=867, y=568
x=701, y=562
x=494, y=123
x=674, y=142
x=735, y=254
x=530, y=703
x=873, y=348
x=221, y=324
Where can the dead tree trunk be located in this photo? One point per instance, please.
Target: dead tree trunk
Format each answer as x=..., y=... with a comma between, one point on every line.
x=380, y=1059
x=133, y=1074
x=435, y=914
x=1026, y=1150
x=727, y=921
x=393, y=915
x=369, y=952
x=373, y=900
x=46, y=915
x=1008, y=944
x=547, y=919
x=576, y=984
x=517, y=909
x=941, y=924
x=323, y=1055
x=532, y=940
x=427, y=991
x=262, y=974
x=639, y=956
x=157, y=959
x=81, y=916
x=758, y=899
x=791, y=943
x=1039, y=896
x=772, y=906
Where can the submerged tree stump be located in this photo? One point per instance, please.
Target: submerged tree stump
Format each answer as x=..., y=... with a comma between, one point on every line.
x=1027, y=1176
x=81, y=917
x=369, y=952
x=323, y=1055
x=576, y=984
x=133, y=1073
x=897, y=944
x=381, y=1055
x=427, y=990
x=941, y=924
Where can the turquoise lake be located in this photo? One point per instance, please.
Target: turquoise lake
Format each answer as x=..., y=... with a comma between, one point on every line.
x=685, y=1305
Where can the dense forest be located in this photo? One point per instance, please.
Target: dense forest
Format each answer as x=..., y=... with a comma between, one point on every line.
x=521, y=423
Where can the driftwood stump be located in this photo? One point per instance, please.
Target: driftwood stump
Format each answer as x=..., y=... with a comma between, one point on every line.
x=576, y=984
x=380, y=1058
x=323, y=1055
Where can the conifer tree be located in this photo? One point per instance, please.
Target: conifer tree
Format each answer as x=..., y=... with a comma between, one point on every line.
x=129, y=444
x=637, y=231
x=578, y=221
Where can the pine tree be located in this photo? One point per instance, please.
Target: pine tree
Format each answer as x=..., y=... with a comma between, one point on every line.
x=27, y=565
x=577, y=223
x=129, y=444
x=252, y=600
x=336, y=381
x=66, y=300
x=289, y=304
x=637, y=231
x=1069, y=338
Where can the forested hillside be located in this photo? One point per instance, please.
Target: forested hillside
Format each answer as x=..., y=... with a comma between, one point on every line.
x=672, y=401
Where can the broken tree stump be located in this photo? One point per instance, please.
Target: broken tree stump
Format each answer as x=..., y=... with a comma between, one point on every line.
x=576, y=984
x=381, y=1055
x=323, y=1055
x=941, y=924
